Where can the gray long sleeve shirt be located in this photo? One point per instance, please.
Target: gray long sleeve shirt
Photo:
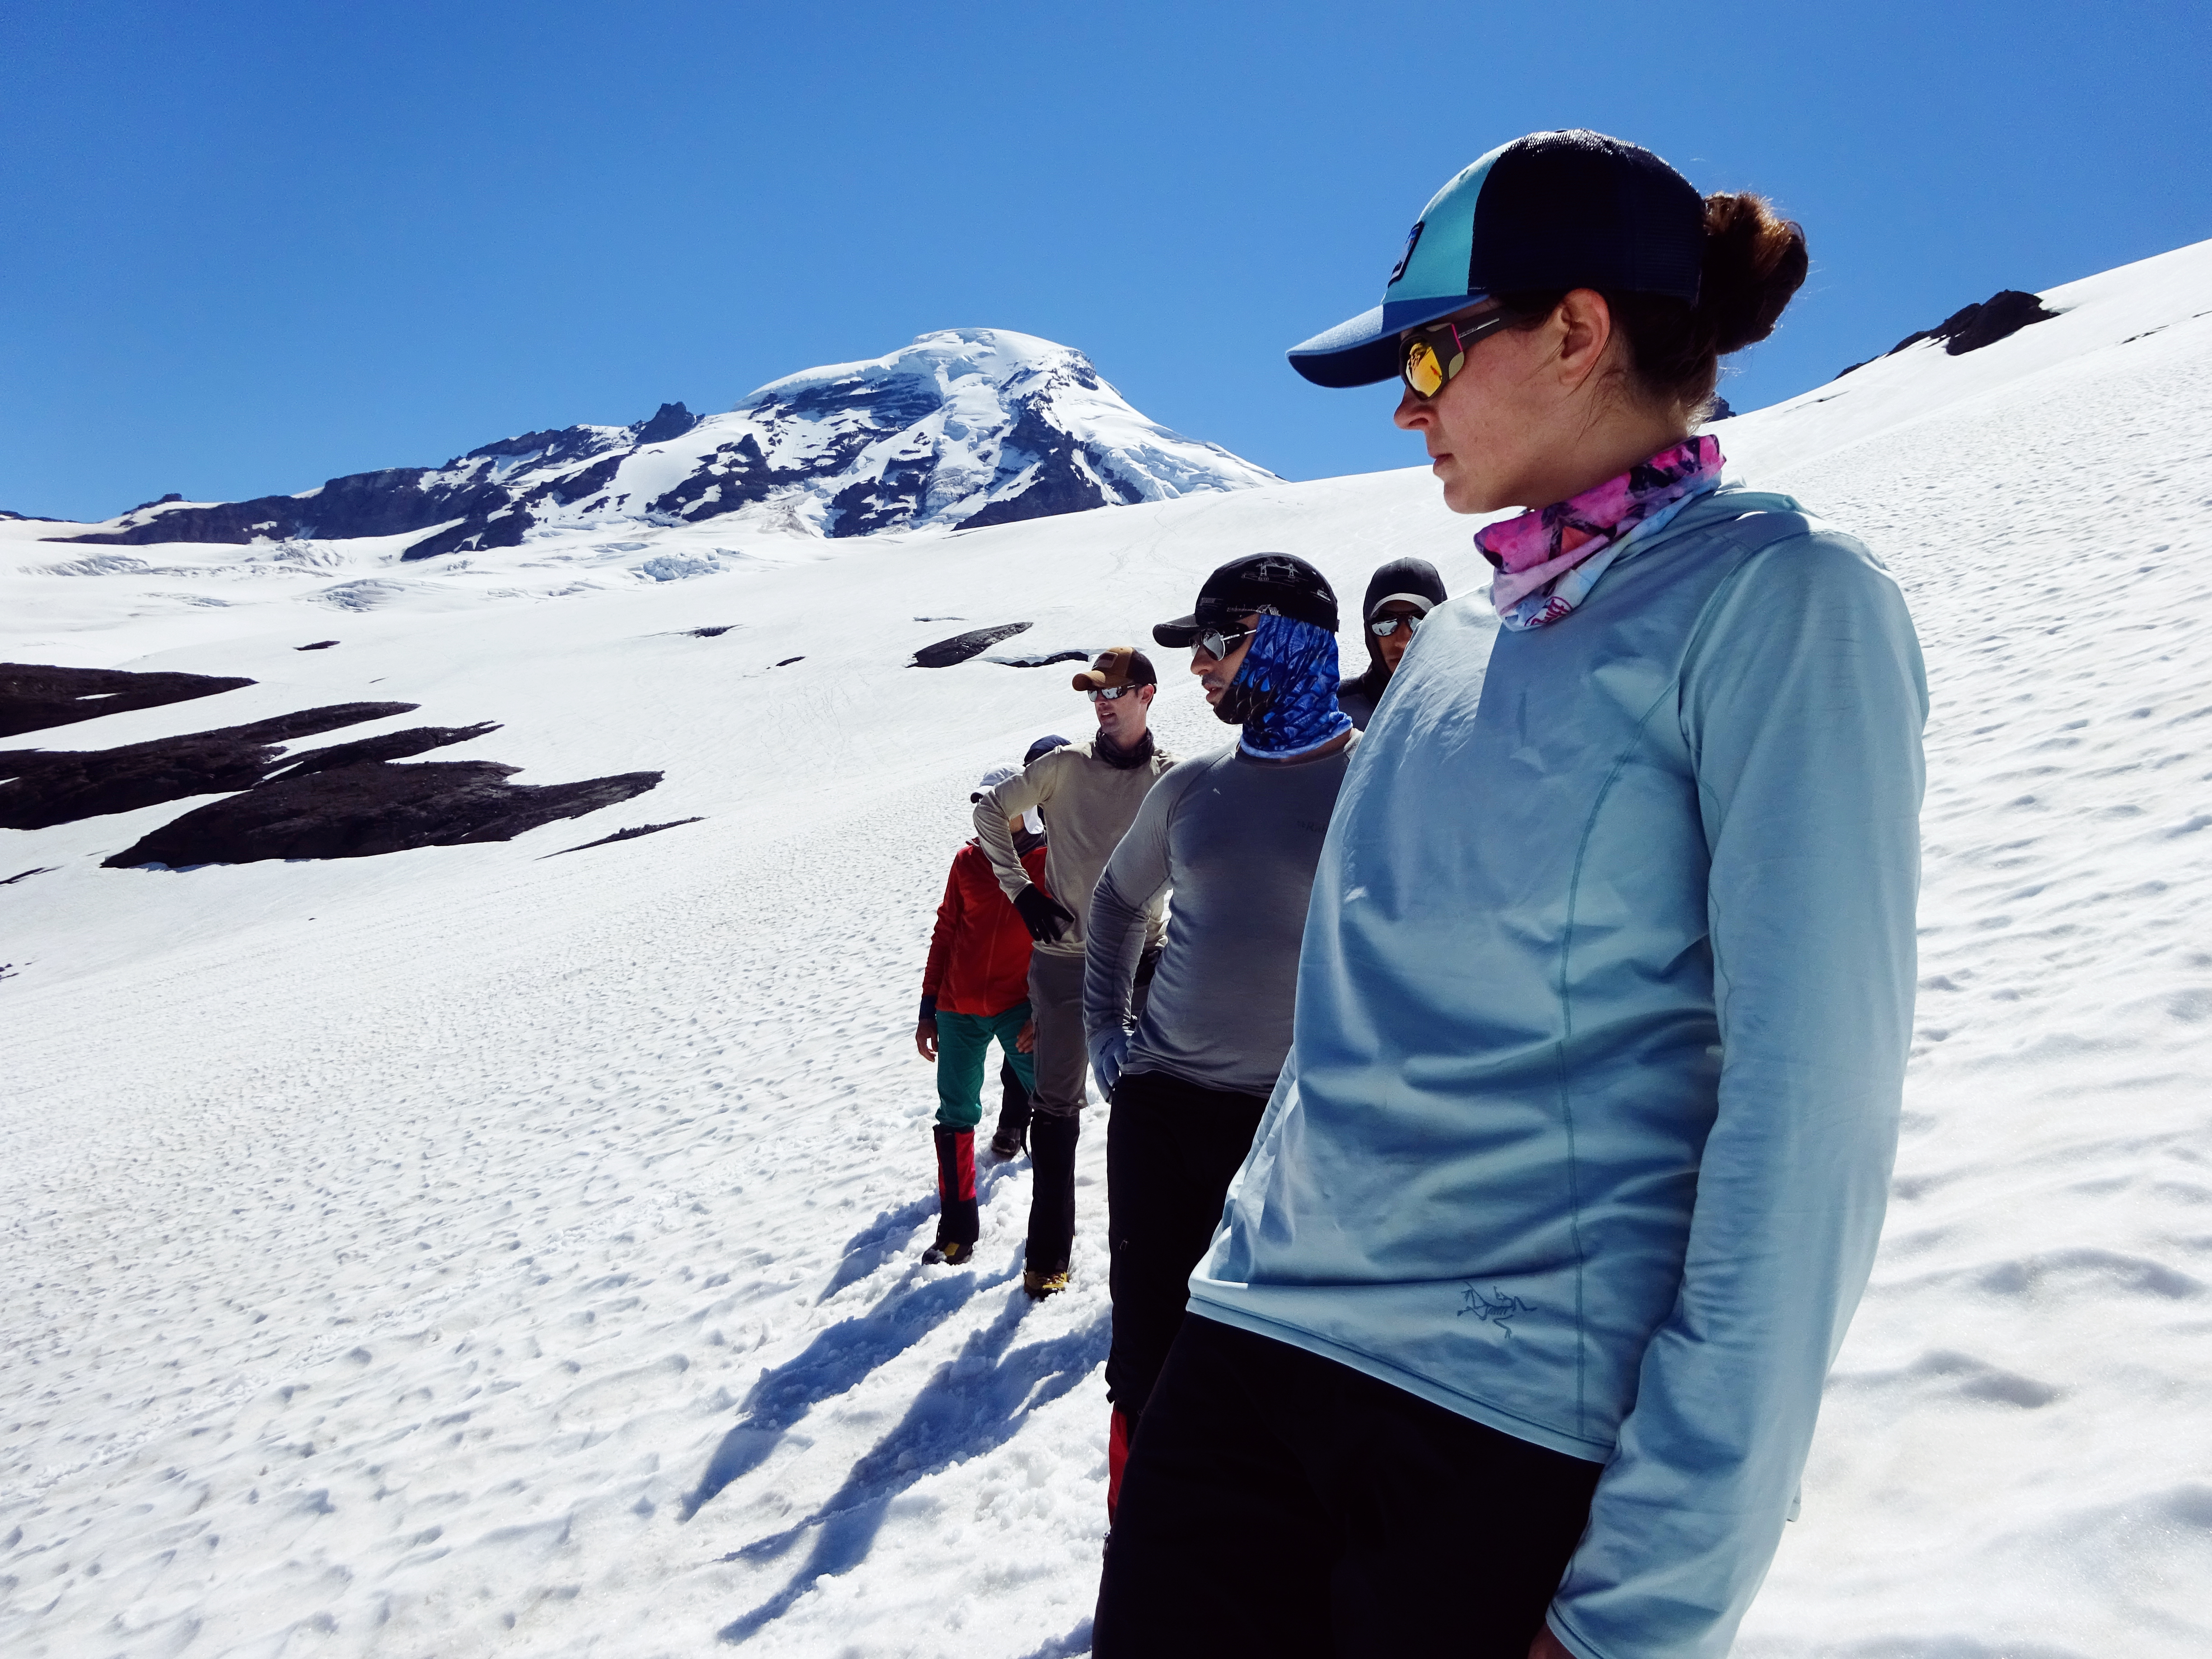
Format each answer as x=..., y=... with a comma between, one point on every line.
x=1237, y=840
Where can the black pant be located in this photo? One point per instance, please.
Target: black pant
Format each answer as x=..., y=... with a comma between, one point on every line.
x=1279, y=1504
x=1013, y=1128
x=1056, y=1005
x=1171, y=1150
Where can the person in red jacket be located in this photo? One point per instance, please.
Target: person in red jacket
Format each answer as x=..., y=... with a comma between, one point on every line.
x=975, y=991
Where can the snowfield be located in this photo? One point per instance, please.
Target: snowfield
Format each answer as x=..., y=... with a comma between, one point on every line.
x=468, y=1250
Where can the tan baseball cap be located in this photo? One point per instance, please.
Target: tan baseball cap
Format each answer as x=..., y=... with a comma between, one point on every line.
x=1120, y=665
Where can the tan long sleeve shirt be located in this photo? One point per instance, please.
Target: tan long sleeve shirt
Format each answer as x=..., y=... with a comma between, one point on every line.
x=1087, y=806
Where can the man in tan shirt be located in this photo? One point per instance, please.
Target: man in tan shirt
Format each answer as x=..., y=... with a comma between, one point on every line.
x=1088, y=795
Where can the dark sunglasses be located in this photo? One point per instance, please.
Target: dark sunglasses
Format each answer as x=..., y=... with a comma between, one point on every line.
x=1384, y=627
x=1219, y=642
x=1109, y=693
x=1429, y=356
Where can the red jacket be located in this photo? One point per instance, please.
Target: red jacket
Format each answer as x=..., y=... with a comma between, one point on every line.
x=978, y=955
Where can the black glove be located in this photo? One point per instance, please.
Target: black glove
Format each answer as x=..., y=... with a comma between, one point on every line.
x=1045, y=916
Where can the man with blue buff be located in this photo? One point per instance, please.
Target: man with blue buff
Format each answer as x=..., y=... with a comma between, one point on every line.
x=1511, y=1342
x=1234, y=835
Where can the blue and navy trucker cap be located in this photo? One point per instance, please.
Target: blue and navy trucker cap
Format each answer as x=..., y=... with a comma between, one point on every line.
x=1551, y=210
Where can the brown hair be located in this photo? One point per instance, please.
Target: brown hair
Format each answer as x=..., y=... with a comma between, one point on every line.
x=1754, y=262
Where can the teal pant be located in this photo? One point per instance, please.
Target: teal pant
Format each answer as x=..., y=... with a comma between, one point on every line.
x=964, y=1043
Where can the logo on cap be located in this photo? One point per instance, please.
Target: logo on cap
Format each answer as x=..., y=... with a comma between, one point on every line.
x=1413, y=239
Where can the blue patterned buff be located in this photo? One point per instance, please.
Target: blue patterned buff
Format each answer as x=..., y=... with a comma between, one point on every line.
x=1285, y=693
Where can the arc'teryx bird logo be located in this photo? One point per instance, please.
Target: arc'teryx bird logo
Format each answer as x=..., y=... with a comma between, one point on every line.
x=1500, y=1309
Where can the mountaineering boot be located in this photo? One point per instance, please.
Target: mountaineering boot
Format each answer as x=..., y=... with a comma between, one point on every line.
x=1012, y=1138
x=1052, y=1136
x=945, y=1251
x=1123, y=1431
x=958, y=1226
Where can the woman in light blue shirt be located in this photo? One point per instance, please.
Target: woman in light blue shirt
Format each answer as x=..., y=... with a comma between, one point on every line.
x=1512, y=1338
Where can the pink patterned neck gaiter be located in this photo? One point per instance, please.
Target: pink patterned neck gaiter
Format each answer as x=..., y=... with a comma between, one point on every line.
x=1550, y=558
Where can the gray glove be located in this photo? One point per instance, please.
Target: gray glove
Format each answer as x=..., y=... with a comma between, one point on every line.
x=1108, y=1050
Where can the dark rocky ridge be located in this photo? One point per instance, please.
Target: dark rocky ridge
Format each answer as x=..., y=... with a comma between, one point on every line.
x=386, y=502
x=36, y=695
x=394, y=501
x=1970, y=328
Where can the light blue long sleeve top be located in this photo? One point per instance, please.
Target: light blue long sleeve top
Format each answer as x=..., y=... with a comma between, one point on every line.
x=1603, y=1006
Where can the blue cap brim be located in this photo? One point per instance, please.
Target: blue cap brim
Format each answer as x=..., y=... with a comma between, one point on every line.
x=1363, y=351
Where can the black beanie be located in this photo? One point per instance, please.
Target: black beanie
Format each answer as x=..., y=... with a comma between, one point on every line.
x=1402, y=576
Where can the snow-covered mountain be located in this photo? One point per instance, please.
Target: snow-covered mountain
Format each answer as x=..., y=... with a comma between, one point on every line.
x=468, y=1250
x=964, y=428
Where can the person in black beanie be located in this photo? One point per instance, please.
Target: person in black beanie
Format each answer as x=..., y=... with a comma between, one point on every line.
x=1399, y=595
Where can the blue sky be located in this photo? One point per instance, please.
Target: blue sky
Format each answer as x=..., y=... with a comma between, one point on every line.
x=252, y=246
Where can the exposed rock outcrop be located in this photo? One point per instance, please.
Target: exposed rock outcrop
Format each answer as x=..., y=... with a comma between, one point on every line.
x=669, y=420
x=630, y=834
x=391, y=746
x=44, y=788
x=371, y=808
x=1970, y=328
x=961, y=646
x=35, y=695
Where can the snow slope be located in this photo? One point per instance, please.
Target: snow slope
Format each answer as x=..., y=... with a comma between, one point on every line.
x=471, y=1251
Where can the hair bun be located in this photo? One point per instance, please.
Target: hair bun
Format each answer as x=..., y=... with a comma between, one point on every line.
x=1755, y=260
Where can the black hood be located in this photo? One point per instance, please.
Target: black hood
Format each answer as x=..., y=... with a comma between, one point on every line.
x=1399, y=576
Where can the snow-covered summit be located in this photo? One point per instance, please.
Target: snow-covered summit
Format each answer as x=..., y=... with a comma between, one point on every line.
x=978, y=426
x=963, y=427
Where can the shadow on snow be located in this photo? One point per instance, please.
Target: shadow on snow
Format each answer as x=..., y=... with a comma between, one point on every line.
x=834, y=1362
x=874, y=1244
x=975, y=1402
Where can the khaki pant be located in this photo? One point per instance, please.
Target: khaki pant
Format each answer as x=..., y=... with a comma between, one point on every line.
x=1062, y=1057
